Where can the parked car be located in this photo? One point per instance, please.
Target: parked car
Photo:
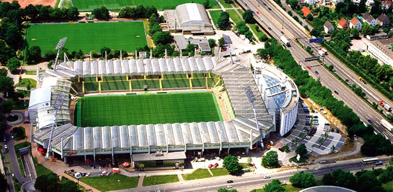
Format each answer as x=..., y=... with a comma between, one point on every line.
x=379, y=163
x=230, y=181
x=316, y=72
x=266, y=177
x=6, y=148
x=335, y=92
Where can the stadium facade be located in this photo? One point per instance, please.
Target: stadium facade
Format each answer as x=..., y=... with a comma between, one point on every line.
x=280, y=94
x=50, y=106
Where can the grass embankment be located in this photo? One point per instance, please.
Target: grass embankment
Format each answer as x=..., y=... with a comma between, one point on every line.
x=111, y=182
x=159, y=179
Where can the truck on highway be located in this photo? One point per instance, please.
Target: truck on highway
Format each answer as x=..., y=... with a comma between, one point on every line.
x=362, y=80
x=384, y=105
x=285, y=41
x=322, y=51
x=387, y=125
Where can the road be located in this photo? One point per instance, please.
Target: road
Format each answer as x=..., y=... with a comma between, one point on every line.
x=251, y=181
x=273, y=20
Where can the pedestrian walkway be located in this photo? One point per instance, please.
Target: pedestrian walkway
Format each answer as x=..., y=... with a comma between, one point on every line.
x=180, y=177
x=140, y=182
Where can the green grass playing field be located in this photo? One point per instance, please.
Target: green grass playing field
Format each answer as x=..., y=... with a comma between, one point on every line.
x=147, y=109
x=87, y=5
x=88, y=36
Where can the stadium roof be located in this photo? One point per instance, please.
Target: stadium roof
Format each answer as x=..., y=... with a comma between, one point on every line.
x=238, y=132
x=134, y=67
x=192, y=14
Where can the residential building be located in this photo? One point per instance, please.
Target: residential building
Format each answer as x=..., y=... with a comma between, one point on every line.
x=306, y=11
x=386, y=4
x=328, y=27
x=337, y=1
x=310, y=2
x=383, y=20
x=369, y=3
x=202, y=44
x=355, y=23
x=369, y=19
x=380, y=50
x=343, y=24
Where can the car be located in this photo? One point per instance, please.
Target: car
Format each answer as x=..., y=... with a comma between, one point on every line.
x=264, y=3
x=269, y=8
x=335, y=92
x=229, y=186
x=230, y=181
x=6, y=148
x=308, y=67
x=266, y=177
x=257, y=12
x=369, y=120
x=12, y=174
x=282, y=32
x=379, y=163
x=269, y=28
x=316, y=72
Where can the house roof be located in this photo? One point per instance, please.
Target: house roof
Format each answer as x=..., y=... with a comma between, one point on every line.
x=343, y=22
x=368, y=17
x=387, y=2
x=305, y=11
x=328, y=24
x=354, y=20
x=383, y=18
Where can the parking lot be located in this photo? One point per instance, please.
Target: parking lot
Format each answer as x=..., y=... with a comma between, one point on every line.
x=314, y=130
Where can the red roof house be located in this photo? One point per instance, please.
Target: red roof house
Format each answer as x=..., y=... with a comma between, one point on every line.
x=305, y=11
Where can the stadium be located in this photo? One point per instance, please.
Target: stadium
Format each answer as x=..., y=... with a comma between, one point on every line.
x=140, y=107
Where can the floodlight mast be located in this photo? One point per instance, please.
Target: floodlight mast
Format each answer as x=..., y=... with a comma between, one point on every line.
x=251, y=99
x=58, y=47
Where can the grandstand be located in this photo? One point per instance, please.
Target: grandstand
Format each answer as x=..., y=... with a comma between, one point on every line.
x=163, y=76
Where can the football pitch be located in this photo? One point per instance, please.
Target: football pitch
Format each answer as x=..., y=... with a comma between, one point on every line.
x=160, y=108
x=88, y=5
x=88, y=36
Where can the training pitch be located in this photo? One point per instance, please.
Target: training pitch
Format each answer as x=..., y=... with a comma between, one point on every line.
x=88, y=5
x=88, y=36
x=160, y=108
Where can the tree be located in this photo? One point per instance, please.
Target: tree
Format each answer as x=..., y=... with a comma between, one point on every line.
x=301, y=150
x=206, y=4
x=226, y=190
x=355, y=33
x=7, y=85
x=154, y=29
x=368, y=182
x=376, y=144
x=6, y=52
x=221, y=42
x=340, y=178
x=3, y=72
x=47, y=183
x=13, y=36
x=293, y=4
x=212, y=43
x=231, y=163
x=33, y=54
x=270, y=160
x=274, y=186
x=101, y=13
x=72, y=13
x=162, y=38
x=3, y=183
x=303, y=180
x=6, y=106
x=228, y=1
x=310, y=17
x=13, y=64
x=223, y=21
x=190, y=50
x=31, y=12
x=248, y=16
x=69, y=186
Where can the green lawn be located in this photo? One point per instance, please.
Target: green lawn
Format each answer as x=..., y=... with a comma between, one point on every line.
x=147, y=109
x=225, y=5
x=88, y=5
x=40, y=169
x=388, y=186
x=111, y=182
x=259, y=33
x=245, y=165
x=215, y=15
x=88, y=36
x=25, y=82
x=234, y=16
x=197, y=174
x=219, y=171
x=159, y=179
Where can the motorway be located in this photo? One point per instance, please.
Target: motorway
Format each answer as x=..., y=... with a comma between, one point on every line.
x=274, y=22
x=251, y=181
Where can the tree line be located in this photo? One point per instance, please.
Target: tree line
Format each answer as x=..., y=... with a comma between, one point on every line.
x=308, y=87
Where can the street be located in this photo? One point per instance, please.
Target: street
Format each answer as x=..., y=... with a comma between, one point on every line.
x=270, y=17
